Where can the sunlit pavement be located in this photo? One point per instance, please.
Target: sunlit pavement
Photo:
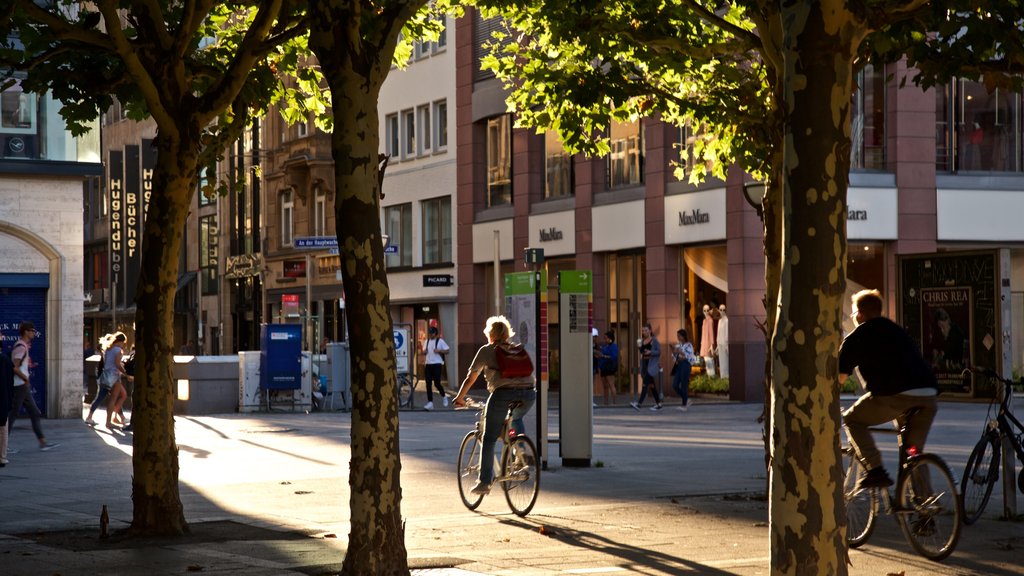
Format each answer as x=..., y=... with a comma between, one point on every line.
x=667, y=492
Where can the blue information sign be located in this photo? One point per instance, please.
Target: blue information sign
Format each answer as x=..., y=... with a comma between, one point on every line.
x=316, y=242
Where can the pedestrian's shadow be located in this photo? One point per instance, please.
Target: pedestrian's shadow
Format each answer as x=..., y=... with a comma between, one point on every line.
x=120, y=436
x=634, y=556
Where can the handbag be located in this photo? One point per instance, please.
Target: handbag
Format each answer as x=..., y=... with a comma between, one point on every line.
x=105, y=380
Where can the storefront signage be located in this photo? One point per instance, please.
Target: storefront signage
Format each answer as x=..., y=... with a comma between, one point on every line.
x=290, y=304
x=432, y=280
x=294, y=268
x=695, y=216
x=861, y=215
x=550, y=234
x=871, y=214
x=115, y=184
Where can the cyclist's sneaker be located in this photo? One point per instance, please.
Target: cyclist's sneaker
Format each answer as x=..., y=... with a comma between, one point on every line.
x=481, y=488
x=875, y=478
x=428, y=406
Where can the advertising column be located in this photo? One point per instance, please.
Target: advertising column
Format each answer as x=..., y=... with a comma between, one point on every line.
x=576, y=406
x=527, y=312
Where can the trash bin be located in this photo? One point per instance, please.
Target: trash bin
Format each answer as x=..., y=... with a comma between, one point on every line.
x=340, y=377
x=205, y=384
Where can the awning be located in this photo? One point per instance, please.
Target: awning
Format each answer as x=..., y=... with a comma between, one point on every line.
x=710, y=263
x=184, y=279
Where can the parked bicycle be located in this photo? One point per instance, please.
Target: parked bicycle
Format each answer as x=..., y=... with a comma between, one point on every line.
x=518, y=471
x=926, y=504
x=406, y=387
x=982, y=469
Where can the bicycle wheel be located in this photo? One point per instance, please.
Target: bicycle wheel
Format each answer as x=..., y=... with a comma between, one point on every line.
x=404, y=391
x=520, y=476
x=469, y=469
x=861, y=505
x=930, y=514
x=980, y=477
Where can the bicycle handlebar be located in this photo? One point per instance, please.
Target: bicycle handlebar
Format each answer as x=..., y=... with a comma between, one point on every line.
x=986, y=372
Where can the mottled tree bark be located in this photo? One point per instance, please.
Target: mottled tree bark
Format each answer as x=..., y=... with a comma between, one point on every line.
x=155, y=497
x=807, y=515
x=354, y=46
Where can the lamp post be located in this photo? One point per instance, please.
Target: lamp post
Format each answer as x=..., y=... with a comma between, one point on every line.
x=754, y=193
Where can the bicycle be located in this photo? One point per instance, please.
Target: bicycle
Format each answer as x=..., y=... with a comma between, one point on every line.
x=406, y=386
x=982, y=468
x=518, y=473
x=926, y=504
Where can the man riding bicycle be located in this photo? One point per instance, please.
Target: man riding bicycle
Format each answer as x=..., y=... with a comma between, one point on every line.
x=898, y=381
x=503, y=391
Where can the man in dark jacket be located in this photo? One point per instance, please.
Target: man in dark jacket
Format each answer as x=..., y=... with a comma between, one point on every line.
x=898, y=380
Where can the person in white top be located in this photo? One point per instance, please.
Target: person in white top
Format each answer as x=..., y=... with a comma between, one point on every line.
x=723, y=343
x=434, y=350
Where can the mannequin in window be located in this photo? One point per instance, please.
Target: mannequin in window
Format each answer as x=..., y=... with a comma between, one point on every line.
x=707, y=341
x=723, y=342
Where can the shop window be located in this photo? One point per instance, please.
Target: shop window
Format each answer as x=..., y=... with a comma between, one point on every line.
x=626, y=158
x=204, y=182
x=437, y=230
x=868, y=134
x=408, y=134
x=398, y=227
x=977, y=130
x=557, y=167
x=499, y=160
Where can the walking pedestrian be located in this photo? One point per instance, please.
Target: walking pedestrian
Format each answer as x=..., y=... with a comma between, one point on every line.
x=650, y=357
x=23, y=365
x=6, y=397
x=435, y=349
x=609, y=368
x=683, y=359
x=110, y=380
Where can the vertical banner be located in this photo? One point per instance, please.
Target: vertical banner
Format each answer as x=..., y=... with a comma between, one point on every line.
x=148, y=166
x=132, y=222
x=115, y=188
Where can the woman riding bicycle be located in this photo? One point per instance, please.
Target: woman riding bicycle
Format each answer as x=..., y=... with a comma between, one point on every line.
x=503, y=391
x=898, y=382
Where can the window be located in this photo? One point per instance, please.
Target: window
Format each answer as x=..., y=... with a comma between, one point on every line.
x=17, y=110
x=287, y=221
x=408, y=134
x=303, y=129
x=204, y=182
x=499, y=160
x=868, y=134
x=208, y=254
x=391, y=136
x=398, y=227
x=437, y=230
x=424, y=128
x=442, y=39
x=557, y=167
x=320, y=213
x=977, y=130
x=626, y=159
x=441, y=125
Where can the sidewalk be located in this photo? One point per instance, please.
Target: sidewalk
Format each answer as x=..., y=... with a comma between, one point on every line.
x=267, y=494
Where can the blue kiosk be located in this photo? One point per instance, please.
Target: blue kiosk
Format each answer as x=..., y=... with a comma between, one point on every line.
x=280, y=358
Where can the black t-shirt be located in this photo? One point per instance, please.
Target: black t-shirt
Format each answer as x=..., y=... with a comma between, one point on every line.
x=889, y=360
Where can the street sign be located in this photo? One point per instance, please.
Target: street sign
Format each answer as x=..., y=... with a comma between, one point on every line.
x=316, y=242
x=391, y=249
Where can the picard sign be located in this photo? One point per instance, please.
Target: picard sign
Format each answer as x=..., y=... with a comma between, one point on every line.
x=432, y=280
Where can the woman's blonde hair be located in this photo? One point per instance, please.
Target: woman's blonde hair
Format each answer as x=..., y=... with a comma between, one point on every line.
x=107, y=341
x=498, y=329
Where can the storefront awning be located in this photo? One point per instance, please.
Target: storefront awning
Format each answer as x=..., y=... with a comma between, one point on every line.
x=710, y=263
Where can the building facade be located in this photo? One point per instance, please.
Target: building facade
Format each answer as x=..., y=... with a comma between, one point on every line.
x=934, y=171
x=44, y=174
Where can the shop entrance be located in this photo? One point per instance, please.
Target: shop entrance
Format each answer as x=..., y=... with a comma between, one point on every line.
x=627, y=309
